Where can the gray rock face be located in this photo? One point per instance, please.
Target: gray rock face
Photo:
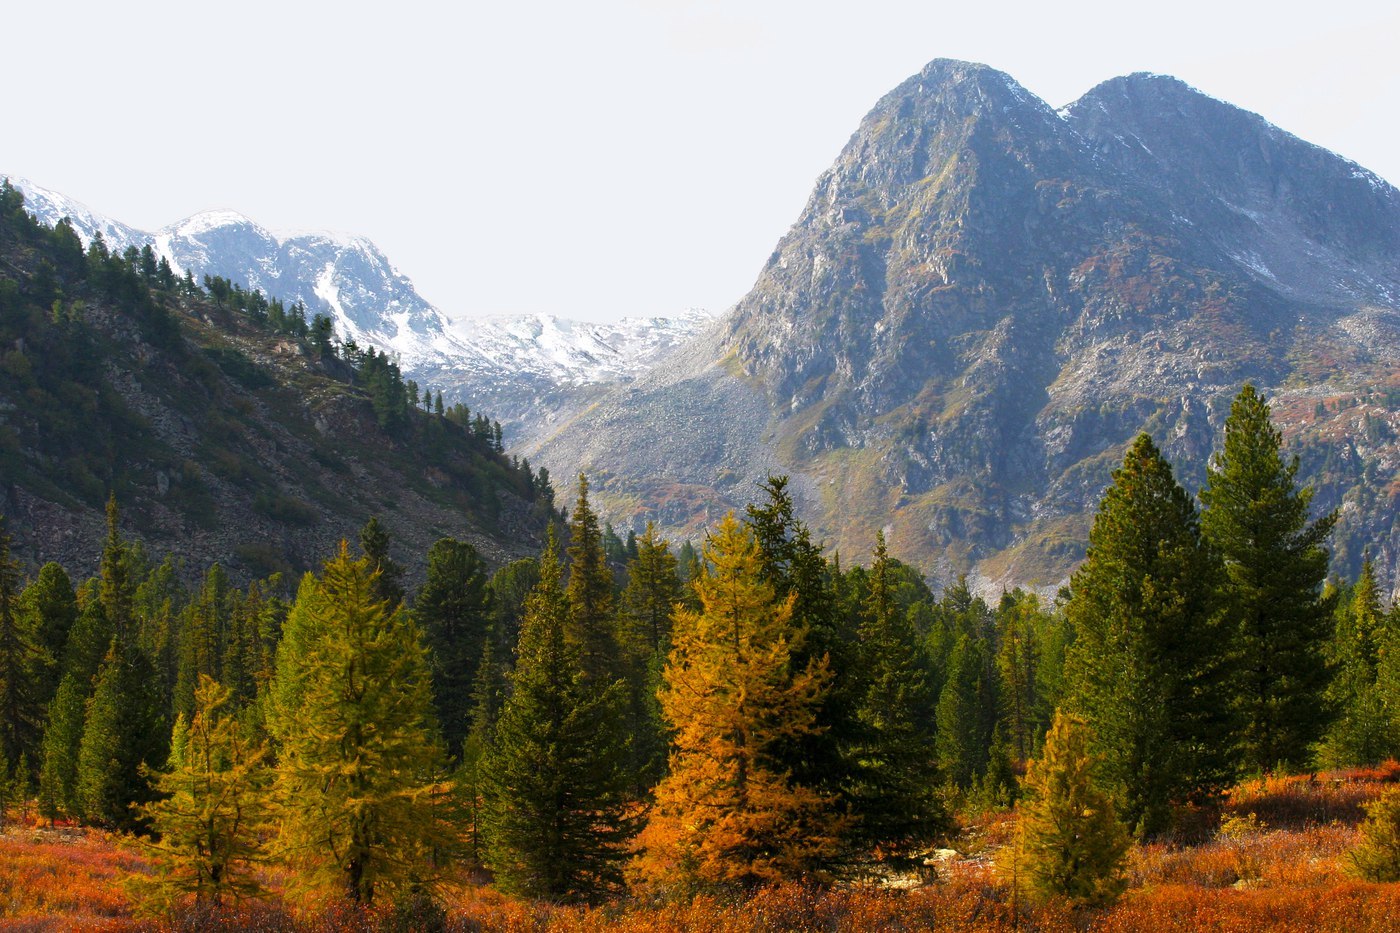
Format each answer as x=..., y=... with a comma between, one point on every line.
x=984, y=300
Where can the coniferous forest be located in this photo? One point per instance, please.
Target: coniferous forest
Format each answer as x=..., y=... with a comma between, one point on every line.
x=745, y=731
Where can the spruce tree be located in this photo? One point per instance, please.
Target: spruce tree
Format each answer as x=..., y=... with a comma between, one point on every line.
x=374, y=543
x=212, y=809
x=87, y=644
x=554, y=776
x=893, y=763
x=653, y=590
x=453, y=611
x=358, y=757
x=793, y=565
x=590, y=593
x=1070, y=843
x=21, y=665
x=730, y=812
x=962, y=740
x=1366, y=728
x=1150, y=669
x=1256, y=517
x=124, y=738
x=51, y=609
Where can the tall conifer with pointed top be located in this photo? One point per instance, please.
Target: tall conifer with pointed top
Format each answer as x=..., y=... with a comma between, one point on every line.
x=1150, y=669
x=359, y=761
x=590, y=593
x=1256, y=517
x=21, y=663
x=453, y=610
x=893, y=764
x=730, y=812
x=554, y=776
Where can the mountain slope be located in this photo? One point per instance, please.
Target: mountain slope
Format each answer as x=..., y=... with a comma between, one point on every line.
x=222, y=440
x=984, y=300
x=528, y=371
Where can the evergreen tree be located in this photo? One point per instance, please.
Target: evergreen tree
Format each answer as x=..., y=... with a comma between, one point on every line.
x=1256, y=517
x=590, y=593
x=203, y=639
x=510, y=588
x=962, y=739
x=1150, y=667
x=1377, y=858
x=1018, y=663
x=124, y=737
x=893, y=763
x=374, y=543
x=1364, y=730
x=453, y=610
x=118, y=589
x=358, y=756
x=653, y=589
x=554, y=776
x=793, y=565
x=212, y=809
x=50, y=609
x=21, y=664
x=87, y=644
x=729, y=812
x=1070, y=843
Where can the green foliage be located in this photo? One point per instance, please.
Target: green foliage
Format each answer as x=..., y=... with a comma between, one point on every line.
x=1150, y=668
x=22, y=663
x=1377, y=858
x=374, y=543
x=590, y=593
x=1364, y=655
x=963, y=738
x=453, y=612
x=1070, y=843
x=212, y=810
x=892, y=765
x=124, y=737
x=358, y=758
x=1256, y=517
x=554, y=776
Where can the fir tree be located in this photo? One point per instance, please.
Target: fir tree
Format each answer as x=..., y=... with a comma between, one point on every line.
x=962, y=739
x=554, y=776
x=358, y=756
x=212, y=809
x=124, y=737
x=51, y=609
x=374, y=543
x=793, y=565
x=1150, y=667
x=118, y=589
x=894, y=769
x=729, y=812
x=1256, y=517
x=653, y=589
x=21, y=664
x=1364, y=730
x=590, y=593
x=1070, y=843
x=453, y=610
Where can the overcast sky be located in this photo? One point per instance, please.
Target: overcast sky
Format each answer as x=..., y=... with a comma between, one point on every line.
x=593, y=158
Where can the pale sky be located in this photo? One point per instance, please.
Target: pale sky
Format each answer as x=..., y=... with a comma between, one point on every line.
x=594, y=158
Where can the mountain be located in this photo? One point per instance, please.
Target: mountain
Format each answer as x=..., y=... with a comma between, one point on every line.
x=222, y=438
x=985, y=299
x=528, y=371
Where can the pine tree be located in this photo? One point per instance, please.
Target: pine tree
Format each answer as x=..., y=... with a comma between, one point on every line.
x=793, y=565
x=87, y=644
x=1363, y=654
x=1070, y=843
x=1377, y=858
x=212, y=809
x=893, y=763
x=124, y=737
x=453, y=611
x=554, y=777
x=729, y=812
x=51, y=609
x=590, y=593
x=1018, y=663
x=21, y=664
x=358, y=768
x=653, y=590
x=962, y=739
x=203, y=638
x=374, y=543
x=1150, y=667
x=1256, y=517
x=118, y=589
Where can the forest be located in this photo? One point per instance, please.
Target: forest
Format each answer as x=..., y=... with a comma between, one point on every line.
x=753, y=733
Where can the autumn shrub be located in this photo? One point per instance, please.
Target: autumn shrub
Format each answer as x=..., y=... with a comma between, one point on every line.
x=1377, y=858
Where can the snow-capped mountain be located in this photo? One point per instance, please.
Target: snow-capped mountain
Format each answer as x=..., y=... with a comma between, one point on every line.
x=510, y=367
